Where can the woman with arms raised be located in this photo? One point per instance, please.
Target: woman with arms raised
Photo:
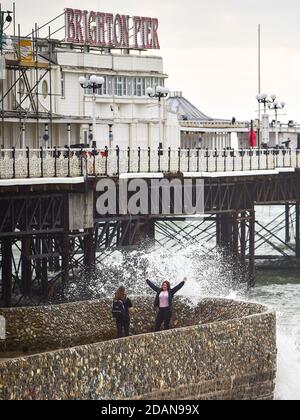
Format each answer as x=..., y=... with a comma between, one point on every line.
x=164, y=301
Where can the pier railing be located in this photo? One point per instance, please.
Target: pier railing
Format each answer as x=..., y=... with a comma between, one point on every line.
x=70, y=163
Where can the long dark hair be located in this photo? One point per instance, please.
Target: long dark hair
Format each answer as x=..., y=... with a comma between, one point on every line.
x=168, y=284
x=120, y=294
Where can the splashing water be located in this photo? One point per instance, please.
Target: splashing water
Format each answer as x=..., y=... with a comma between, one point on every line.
x=288, y=374
x=208, y=276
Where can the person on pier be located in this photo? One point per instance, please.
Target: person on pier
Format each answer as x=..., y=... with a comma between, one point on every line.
x=163, y=301
x=120, y=311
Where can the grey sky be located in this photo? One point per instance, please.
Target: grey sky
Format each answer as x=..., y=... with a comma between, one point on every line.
x=210, y=47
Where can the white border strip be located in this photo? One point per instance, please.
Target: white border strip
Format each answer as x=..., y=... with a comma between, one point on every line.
x=40, y=181
x=142, y=175
x=236, y=173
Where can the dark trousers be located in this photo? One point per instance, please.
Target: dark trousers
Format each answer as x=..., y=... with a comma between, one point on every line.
x=164, y=316
x=123, y=324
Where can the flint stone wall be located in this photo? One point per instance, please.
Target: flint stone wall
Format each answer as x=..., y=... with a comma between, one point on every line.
x=60, y=326
x=219, y=350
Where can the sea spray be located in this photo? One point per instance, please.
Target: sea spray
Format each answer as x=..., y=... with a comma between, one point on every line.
x=212, y=275
x=288, y=367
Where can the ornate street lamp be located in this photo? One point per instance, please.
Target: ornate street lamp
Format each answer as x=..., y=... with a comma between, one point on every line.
x=263, y=98
x=94, y=83
x=276, y=106
x=160, y=93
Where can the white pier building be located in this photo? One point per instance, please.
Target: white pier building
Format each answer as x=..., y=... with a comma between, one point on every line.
x=43, y=105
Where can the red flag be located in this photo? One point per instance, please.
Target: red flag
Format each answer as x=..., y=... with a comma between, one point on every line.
x=252, y=137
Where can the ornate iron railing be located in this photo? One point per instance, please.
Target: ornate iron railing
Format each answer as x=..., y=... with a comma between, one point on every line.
x=70, y=163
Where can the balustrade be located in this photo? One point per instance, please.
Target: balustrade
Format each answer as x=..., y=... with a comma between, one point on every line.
x=64, y=163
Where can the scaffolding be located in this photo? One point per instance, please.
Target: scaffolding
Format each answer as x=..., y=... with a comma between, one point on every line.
x=28, y=61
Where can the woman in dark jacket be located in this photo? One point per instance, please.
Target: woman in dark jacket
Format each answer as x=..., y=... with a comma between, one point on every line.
x=120, y=310
x=163, y=301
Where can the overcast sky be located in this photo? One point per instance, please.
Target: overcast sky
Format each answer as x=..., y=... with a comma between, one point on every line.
x=210, y=47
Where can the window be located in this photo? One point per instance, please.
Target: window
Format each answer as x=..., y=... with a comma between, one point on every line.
x=121, y=86
x=137, y=86
x=109, y=88
x=148, y=81
x=119, y=90
x=21, y=87
x=62, y=84
x=125, y=86
x=129, y=84
x=45, y=89
x=143, y=86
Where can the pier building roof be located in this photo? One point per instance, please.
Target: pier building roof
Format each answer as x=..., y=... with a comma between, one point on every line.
x=185, y=110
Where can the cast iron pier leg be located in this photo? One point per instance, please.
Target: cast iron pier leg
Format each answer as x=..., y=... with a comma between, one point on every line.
x=7, y=271
x=44, y=271
x=297, y=230
x=89, y=249
x=252, y=249
x=287, y=224
x=243, y=238
x=26, y=277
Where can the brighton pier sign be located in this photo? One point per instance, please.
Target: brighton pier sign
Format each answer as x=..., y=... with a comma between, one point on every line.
x=111, y=31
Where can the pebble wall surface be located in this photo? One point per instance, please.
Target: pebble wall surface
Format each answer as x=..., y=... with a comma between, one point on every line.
x=220, y=349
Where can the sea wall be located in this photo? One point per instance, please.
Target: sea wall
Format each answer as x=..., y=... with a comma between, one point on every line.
x=61, y=326
x=220, y=350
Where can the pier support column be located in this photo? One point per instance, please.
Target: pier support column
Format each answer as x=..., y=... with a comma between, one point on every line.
x=252, y=248
x=44, y=271
x=226, y=231
x=143, y=230
x=287, y=224
x=149, y=229
x=65, y=260
x=136, y=232
x=297, y=230
x=26, y=276
x=56, y=263
x=89, y=249
x=218, y=230
x=243, y=237
x=7, y=271
x=235, y=235
x=51, y=249
x=38, y=263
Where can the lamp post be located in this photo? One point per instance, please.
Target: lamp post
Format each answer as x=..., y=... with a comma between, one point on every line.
x=160, y=93
x=264, y=99
x=276, y=106
x=94, y=83
x=5, y=17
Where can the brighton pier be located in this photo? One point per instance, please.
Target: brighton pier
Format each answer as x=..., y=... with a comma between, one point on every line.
x=50, y=230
